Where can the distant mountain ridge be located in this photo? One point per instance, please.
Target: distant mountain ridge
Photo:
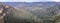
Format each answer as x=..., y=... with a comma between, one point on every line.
x=41, y=4
x=30, y=5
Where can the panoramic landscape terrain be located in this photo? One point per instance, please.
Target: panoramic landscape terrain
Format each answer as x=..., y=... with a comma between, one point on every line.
x=32, y=12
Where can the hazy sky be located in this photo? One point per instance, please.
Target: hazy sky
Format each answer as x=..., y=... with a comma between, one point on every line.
x=29, y=0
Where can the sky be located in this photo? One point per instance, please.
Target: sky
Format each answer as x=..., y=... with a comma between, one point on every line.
x=29, y=0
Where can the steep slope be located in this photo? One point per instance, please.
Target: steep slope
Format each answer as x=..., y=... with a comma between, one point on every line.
x=18, y=15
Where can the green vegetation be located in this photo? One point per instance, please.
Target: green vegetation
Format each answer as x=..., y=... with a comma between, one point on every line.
x=19, y=16
x=49, y=15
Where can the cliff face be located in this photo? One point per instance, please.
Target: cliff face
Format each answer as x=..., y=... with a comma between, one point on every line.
x=2, y=6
